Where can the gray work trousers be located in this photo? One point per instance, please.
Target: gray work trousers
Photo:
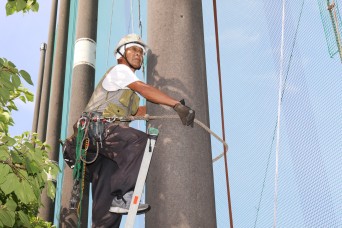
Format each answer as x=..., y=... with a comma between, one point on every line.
x=115, y=171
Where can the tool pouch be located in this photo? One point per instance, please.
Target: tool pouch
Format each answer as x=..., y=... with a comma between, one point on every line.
x=127, y=104
x=69, y=151
x=130, y=100
x=96, y=127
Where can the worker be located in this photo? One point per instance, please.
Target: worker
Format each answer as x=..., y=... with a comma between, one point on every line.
x=120, y=148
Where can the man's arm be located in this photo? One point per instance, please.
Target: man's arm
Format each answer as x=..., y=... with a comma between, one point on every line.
x=152, y=94
x=186, y=114
x=141, y=111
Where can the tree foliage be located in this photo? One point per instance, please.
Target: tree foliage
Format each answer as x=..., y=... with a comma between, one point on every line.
x=13, y=6
x=25, y=168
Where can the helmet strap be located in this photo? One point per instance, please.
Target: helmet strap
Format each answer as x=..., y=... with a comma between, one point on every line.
x=124, y=56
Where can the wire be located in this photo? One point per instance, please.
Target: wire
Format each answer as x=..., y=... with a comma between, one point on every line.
x=140, y=23
x=132, y=16
x=276, y=176
x=110, y=33
x=222, y=112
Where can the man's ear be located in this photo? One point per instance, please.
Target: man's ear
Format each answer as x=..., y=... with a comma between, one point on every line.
x=121, y=60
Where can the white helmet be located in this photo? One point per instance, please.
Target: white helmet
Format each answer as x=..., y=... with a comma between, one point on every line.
x=128, y=41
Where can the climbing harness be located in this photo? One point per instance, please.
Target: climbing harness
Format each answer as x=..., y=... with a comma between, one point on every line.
x=82, y=144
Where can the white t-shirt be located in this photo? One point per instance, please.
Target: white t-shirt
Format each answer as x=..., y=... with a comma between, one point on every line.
x=119, y=78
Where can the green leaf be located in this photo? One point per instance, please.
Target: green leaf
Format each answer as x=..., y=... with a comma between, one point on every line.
x=51, y=190
x=9, y=8
x=3, y=127
x=35, y=186
x=23, y=99
x=23, y=174
x=24, y=218
x=11, y=106
x=4, y=155
x=26, y=76
x=11, y=183
x=5, y=80
x=10, y=63
x=29, y=146
x=11, y=204
x=1, y=61
x=35, y=7
x=16, y=158
x=21, y=4
x=7, y=217
x=29, y=96
x=4, y=117
x=25, y=192
x=55, y=170
x=16, y=80
x=4, y=171
x=8, y=140
x=32, y=167
x=4, y=95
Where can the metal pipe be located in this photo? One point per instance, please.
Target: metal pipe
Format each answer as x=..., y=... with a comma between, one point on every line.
x=45, y=95
x=39, y=87
x=81, y=90
x=56, y=100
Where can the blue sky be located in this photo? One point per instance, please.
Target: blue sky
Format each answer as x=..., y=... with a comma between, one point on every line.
x=20, y=40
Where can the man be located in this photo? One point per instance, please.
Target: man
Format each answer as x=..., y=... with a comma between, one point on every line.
x=120, y=148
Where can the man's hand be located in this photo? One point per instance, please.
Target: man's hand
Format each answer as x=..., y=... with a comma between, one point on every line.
x=186, y=114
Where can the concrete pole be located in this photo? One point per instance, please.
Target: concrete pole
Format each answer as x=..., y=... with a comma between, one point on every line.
x=45, y=95
x=81, y=90
x=56, y=101
x=180, y=186
x=39, y=87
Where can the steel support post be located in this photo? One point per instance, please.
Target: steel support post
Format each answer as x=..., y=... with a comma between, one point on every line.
x=81, y=90
x=45, y=93
x=53, y=131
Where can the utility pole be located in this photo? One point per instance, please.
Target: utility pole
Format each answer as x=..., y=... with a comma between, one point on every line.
x=56, y=100
x=81, y=90
x=180, y=186
x=45, y=95
x=39, y=87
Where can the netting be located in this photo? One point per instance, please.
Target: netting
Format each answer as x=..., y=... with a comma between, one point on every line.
x=309, y=193
x=332, y=23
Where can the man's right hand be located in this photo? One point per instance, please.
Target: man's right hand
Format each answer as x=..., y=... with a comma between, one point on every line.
x=186, y=114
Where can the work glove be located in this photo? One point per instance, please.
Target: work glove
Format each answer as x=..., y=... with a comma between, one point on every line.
x=186, y=114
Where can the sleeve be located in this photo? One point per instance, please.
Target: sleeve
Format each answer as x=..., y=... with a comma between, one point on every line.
x=119, y=78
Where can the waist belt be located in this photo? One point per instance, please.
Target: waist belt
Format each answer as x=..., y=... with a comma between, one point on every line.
x=98, y=117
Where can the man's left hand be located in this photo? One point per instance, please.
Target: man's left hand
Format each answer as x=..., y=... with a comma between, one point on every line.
x=186, y=114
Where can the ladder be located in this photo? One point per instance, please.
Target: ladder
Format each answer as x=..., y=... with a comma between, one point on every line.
x=145, y=164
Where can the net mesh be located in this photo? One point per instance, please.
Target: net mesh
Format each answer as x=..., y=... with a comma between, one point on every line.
x=332, y=23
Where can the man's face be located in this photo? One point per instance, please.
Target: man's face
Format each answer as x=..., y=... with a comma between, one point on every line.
x=134, y=56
